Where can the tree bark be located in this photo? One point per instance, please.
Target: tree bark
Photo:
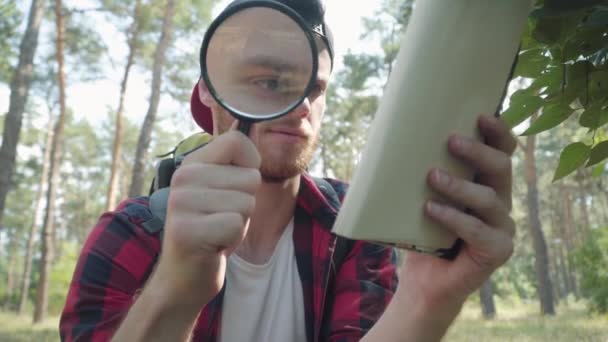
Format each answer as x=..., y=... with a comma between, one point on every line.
x=139, y=172
x=584, y=211
x=486, y=298
x=541, y=263
x=10, y=272
x=113, y=187
x=48, y=231
x=29, y=251
x=20, y=85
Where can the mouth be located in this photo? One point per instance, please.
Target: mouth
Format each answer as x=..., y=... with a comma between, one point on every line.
x=290, y=132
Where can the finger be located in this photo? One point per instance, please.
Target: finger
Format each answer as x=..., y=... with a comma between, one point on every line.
x=230, y=148
x=211, y=201
x=223, y=177
x=224, y=230
x=482, y=199
x=494, y=166
x=469, y=228
x=497, y=134
x=221, y=230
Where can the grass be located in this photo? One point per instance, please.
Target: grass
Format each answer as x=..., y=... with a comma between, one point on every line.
x=521, y=322
x=14, y=328
x=515, y=321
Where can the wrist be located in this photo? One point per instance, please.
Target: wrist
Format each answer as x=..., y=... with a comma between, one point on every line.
x=426, y=298
x=175, y=287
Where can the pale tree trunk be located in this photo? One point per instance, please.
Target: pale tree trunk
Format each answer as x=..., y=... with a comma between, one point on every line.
x=29, y=252
x=569, y=237
x=48, y=230
x=584, y=211
x=20, y=85
x=10, y=272
x=486, y=298
x=558, y=227
x=139, y=171
x=541, y=263
x=117, y=145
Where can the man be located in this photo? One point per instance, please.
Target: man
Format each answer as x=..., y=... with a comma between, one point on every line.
x=247, y=250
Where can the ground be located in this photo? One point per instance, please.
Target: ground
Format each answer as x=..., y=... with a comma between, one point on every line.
x=516, y=321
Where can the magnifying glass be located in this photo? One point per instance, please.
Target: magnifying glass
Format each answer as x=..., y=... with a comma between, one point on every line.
x=259, y=61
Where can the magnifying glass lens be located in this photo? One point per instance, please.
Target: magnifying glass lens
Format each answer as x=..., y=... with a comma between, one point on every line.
x=259, y=62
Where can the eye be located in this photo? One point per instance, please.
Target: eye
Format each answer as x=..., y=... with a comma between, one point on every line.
x=267, y=83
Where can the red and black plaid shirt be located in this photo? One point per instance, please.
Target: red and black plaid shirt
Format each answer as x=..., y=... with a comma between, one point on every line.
x=119, y=256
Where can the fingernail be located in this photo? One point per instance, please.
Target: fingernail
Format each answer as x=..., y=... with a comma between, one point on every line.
x=441, y=177
x=462, y=144
x=433, y=207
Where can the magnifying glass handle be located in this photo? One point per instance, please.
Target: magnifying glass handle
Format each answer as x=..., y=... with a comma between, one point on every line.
x=244, y=127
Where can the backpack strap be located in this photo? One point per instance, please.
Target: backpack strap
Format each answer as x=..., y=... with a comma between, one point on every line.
x=342, y=248
x=343, y=245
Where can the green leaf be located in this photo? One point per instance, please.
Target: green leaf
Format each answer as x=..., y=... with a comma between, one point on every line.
x=550, y=82
x=556, y=30
x=553, y=114
x=598, y=18
x=571, y=158
x=598, y=153
x=598, y=170
x=531, y=63
x=598, y=84
x=523, y=103
x=595, y=116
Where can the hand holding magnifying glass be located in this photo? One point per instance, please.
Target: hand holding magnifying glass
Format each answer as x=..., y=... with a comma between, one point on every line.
x=259, y=61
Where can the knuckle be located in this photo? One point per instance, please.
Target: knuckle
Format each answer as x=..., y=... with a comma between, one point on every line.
x=235, y=221
x=255, y=177
x=504, y=165
x=490, y=199
x=478, y=229
x=178, y=198
x=182, y=175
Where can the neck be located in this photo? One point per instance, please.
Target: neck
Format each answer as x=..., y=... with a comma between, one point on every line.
x=274, y=208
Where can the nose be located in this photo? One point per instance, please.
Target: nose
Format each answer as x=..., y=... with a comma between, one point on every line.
x=303, y=109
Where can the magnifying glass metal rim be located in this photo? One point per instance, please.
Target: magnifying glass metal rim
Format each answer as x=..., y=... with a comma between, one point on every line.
x=233, y=9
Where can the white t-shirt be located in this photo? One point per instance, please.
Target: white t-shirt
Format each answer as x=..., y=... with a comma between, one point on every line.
x=264, y=302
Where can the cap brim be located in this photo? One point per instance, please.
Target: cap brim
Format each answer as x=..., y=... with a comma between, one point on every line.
x=200, y=112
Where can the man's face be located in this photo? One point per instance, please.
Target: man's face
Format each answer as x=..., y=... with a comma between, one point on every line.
x=287, y=144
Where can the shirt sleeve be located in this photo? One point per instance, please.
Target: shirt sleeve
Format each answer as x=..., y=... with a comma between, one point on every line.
x=364, y=285
x=115, y=261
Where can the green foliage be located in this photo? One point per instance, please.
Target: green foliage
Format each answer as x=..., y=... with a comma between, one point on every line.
x=572, y=157
x=61, y=276
x=591, y=259
x=564, y=53
x=10, y=18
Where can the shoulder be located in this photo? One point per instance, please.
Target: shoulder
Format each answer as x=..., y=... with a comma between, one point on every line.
x=123, y=228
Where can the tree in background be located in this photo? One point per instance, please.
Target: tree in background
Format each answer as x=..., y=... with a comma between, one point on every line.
x=48, y=228
x=179, y=21
x=10, y=17
x=137, y=179
x=133, y=42
x=20, y=86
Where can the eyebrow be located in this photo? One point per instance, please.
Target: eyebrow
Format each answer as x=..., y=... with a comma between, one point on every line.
x=270, y=62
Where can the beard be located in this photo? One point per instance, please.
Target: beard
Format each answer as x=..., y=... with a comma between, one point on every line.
x=286, y=161
x=279, y=162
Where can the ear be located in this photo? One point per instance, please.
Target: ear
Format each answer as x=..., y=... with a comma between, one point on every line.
x=204, y=95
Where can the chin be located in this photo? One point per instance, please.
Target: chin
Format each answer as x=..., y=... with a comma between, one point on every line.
x=288, y=164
